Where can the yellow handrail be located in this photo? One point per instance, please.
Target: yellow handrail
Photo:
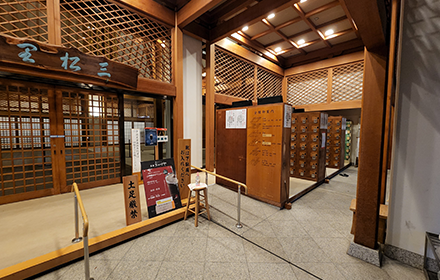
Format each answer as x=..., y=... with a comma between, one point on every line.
x=83, y=211
x=222, y=177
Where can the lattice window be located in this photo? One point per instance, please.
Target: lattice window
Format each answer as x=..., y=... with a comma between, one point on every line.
x=24, y=19
x=347, y=82
x=268, y=84
x=308, y=88
x=103, y=28
x=233, y=76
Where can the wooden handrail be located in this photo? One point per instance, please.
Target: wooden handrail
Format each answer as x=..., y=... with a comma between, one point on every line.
x=83, y=211
x=222, y=177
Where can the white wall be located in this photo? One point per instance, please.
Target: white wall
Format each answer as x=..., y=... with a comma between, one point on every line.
x=415, y=187
x=192, y=97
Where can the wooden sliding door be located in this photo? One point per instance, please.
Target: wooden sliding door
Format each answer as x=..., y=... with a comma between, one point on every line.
x=51, y=137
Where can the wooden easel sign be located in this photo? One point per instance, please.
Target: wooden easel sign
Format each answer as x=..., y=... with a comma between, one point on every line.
x=133, y=212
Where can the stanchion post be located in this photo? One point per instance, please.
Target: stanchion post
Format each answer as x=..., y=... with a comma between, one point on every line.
x=206, y=178
x=239, y=225
x=86, y=258
x=75, y=205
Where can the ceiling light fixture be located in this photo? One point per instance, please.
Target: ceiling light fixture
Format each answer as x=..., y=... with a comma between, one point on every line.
x=329, y=32
x=245, y=28
x=302, y=1
x=271, y=16
x=277, y=50
x=204, y=74
x=301, y=42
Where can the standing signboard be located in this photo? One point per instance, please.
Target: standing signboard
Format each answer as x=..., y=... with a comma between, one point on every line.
x=184, y=166
x=161, y=186
x=132, y=200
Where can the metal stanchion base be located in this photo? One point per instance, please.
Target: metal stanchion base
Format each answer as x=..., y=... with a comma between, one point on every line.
x=76, y=240
x=239, y=225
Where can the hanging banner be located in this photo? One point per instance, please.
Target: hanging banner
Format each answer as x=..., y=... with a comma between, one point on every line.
x=161, y=186
x=132, y=200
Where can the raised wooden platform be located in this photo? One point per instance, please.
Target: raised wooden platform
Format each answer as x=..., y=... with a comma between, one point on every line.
x=59, y=257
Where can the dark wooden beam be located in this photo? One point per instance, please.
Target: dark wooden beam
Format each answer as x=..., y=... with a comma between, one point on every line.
x=150, y=9
x=335, y=50
x=197, y=31
x=228, y=9
x=248, y=17
x=279, y=33
x=193, y=10
x=322, y=8
x=367, y=17
x=370, y=150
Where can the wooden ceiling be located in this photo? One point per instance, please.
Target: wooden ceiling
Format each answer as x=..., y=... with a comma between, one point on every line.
x=286, y=32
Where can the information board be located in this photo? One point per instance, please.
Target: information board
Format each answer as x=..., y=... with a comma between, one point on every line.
x=161, y=186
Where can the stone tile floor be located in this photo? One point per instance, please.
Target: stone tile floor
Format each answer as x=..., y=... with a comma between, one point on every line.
x=307, y=242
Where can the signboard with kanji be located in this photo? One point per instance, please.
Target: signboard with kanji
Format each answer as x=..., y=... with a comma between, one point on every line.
x=184, y=166
x=44, y=57
x=132, y=200
x=161, y=186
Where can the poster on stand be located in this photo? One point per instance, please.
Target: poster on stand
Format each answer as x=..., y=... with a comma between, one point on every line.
x=161, y=186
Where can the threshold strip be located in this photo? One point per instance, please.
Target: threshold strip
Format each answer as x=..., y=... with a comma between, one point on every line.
x=259, y=246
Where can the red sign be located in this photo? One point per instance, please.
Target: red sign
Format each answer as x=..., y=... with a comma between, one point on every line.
x=161, y=187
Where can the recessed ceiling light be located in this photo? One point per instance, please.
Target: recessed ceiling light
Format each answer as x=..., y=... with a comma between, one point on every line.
x=204, y=74
x=271, y=16
x=301, y=42
x=245, y=28
x=278, y=49
x=302, y=1
x=329, y=32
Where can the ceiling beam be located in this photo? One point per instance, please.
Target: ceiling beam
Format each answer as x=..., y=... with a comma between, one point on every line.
x=301, y=13
x=369, y=19
x=322, y=8
x=279, y=33
x=228, y=9
x=344, y=7
x=324, y=53
x=150, y=9
x=193, y=10
x=235, y=49
x=248, y=17
x=197, y=31
x=243, y=39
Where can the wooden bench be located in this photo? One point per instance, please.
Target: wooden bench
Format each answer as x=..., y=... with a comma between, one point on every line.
x=383, y=215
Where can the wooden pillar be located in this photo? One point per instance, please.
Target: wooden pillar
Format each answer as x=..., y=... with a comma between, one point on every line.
x=54, y=22
x=177, y=69
x=284, y=89
x=210, y=107
x=371, y=149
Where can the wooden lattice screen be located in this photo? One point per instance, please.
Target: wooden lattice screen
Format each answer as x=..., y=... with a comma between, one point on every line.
x=24, y=18
x=347, y=82
x=308, y=88
x=268, y=84
x=314, y=88
x=26, y=156
x=103, y=28
x=91, y=137
x=239, y=78
x=233, y=76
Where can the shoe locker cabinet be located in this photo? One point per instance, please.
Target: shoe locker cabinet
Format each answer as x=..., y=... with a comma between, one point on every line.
x=307, y=145
x=335, y=142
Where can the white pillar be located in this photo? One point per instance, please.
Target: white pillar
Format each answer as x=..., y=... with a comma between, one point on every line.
x=192, y=97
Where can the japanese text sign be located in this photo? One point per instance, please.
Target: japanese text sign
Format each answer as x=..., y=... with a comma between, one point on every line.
x=45, y=57
x=132, y=200
x=184, y=165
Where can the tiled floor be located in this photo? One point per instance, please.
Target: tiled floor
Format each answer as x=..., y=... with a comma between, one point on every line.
x=307, y=242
